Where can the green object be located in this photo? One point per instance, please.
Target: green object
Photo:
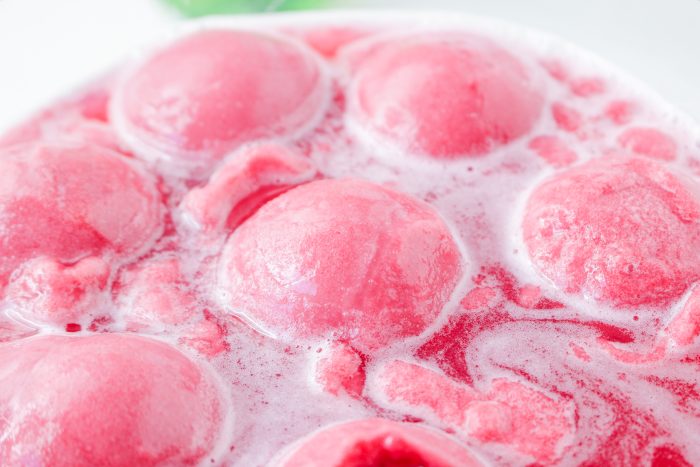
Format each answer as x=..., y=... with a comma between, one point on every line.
x=194, y=8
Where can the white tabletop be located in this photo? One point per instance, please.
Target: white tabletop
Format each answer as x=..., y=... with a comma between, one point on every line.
x=48, y=47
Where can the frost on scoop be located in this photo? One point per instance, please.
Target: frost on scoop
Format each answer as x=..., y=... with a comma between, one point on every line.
x=109, y=399
x=446, y=95
x=45, y=291
x=201, y=96
x=68, y=209
x=342, y=258
x=624, y=230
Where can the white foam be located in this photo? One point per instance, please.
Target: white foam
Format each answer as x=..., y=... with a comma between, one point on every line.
x=482, y=201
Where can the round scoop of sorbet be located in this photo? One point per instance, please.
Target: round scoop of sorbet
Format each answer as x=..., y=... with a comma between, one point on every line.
x=203, y=95
x=106, y=399
x=623, y=230
x=376, y=442
x=445, y=95
x=70, y=202
x=342, y=258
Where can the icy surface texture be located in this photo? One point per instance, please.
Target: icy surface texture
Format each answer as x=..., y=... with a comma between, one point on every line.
x=352, y=241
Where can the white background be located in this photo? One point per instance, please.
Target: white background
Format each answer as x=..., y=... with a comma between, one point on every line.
x=48, y=47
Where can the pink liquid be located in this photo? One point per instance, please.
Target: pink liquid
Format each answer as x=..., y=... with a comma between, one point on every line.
x=356, y=242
